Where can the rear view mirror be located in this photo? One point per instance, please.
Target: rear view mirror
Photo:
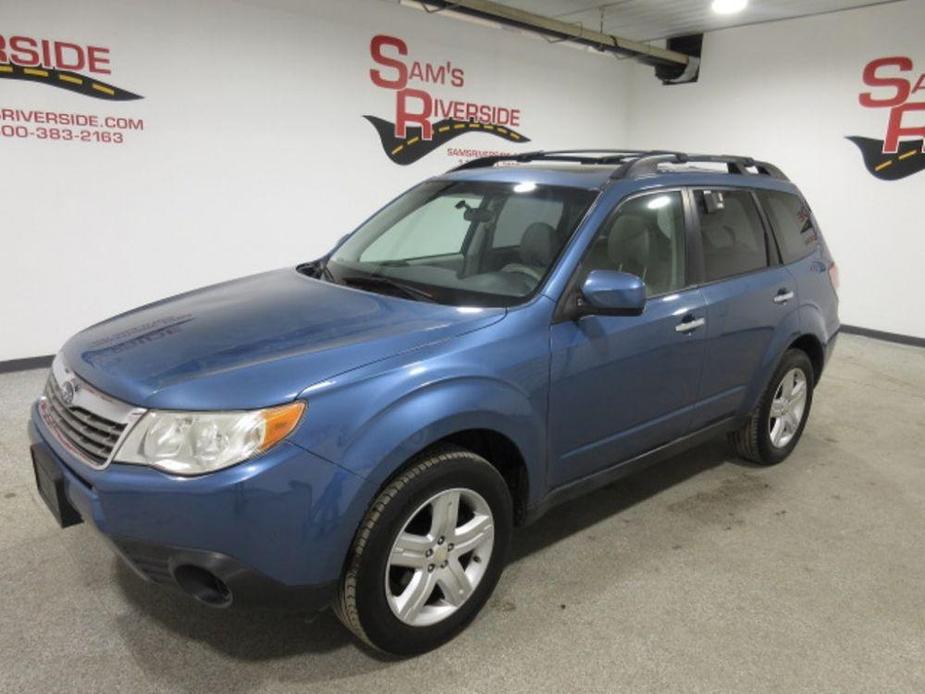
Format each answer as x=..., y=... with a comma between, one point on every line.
x=713, y=201
x=612, y=293
x=474, y=214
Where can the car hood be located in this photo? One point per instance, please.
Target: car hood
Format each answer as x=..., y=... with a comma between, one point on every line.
x=256, y=341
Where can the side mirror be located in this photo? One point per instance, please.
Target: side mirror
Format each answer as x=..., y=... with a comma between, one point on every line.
x=612, y=293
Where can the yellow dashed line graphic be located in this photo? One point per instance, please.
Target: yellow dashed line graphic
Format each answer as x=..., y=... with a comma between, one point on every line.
x=413, y=146
x=65, y=79
x=891, y=166
x=889, y=162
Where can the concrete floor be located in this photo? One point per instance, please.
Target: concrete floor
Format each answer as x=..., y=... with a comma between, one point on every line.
x=700, y=575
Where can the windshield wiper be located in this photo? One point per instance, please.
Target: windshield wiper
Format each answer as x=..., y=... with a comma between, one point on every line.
x=378, y=281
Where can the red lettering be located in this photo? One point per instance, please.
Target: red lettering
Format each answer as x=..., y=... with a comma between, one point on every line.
x=46, y=54
x=416, y=72
x=97, y=58
x=403, y=116
x=435, y=75
x=895, y=129
x=375, y=49
x=3, y=50
x=456, y=77
x=920, y=85
x=25, y=53
x=871, y=79
x=77, y=60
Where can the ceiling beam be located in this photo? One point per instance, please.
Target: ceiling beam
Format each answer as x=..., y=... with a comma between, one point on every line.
x=561, y=30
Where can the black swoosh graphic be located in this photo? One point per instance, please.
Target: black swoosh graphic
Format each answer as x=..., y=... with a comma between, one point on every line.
x=409, y=149
x=65, y=79
x=907, y=161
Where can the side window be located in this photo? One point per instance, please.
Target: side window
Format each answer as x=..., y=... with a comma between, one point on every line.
x=732, y=235
x=792, y=222
x=518, y=213
x=432, y=229
x=644, y=238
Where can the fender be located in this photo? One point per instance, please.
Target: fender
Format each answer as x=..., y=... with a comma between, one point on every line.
x=787, y=331
x=436, y=410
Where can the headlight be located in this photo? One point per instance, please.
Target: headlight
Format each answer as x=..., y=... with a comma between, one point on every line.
x=193, y=443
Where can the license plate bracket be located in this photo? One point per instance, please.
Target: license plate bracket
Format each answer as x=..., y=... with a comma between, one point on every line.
x=50, y=482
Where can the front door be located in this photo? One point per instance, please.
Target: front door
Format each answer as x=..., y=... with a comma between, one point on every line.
x=622, y=385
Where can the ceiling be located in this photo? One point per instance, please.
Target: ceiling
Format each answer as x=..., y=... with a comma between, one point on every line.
x=645, y=20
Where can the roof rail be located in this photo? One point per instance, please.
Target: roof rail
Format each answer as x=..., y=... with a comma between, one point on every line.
x=581, y=156
x=649, y=162
x=630, y=162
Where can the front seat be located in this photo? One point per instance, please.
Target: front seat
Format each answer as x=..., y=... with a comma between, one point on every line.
x=538, y=248
x=629, y=245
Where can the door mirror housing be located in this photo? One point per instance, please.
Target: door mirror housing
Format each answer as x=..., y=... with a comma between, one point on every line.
x=612, y=293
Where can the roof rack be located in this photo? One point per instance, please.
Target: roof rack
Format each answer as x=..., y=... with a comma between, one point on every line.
x=631, y=163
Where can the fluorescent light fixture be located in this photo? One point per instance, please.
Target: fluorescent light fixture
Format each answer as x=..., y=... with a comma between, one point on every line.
x=659, y=202
x=729, y=6
x=525, y=187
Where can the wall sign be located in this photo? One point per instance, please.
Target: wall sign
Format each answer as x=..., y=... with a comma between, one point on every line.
x=423, y=122
x=82, y=69
x=899, y=89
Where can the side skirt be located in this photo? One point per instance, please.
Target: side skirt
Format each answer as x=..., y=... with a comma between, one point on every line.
x=609, y=475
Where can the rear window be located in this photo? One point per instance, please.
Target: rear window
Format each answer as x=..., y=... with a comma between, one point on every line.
x=732, y=234
x=792, y=222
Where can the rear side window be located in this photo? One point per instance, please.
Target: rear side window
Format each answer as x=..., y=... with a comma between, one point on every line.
x=732, y=235
x=521, y=211
x=792, y=222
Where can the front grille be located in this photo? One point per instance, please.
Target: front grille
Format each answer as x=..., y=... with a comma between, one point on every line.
x=93, y=436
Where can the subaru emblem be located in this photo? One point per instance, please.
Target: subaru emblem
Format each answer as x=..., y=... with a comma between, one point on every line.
x=68, y=388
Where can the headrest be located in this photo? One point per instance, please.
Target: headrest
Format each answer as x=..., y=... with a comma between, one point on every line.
x=628, y=244
x=538, y=245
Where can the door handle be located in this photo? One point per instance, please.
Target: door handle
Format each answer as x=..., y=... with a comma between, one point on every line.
x=686, y=326
x=783, y=296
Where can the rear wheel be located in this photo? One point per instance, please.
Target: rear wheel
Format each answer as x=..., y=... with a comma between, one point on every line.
x=773, y=429
x=428, y=554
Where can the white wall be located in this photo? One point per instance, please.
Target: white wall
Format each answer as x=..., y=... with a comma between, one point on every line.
x=254, y=153
x=788, y=92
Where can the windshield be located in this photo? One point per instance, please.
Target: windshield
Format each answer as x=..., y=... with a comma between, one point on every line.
x=462, y=243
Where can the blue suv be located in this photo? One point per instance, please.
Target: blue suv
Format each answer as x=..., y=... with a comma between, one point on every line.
x=365, y=430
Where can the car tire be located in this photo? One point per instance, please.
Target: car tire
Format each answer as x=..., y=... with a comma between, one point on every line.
x=383, y=601
x=775, y=426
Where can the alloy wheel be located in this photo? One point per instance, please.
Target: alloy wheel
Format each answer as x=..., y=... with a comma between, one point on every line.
x=439, y=557
x=787, y=408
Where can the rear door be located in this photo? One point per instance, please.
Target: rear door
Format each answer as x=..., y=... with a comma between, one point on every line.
x=622, y=385
x=748, y=294
x=802, y=251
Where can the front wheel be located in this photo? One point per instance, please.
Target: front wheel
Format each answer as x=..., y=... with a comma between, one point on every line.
x=428, y=554
x=773, y=429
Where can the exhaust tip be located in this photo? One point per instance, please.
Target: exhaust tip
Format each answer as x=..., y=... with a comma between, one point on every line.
x=203, y=585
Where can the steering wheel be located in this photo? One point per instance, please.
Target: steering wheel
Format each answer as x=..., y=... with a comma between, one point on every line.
x=532, y=272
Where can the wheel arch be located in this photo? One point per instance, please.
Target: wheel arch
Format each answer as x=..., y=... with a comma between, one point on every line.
x=812, y=347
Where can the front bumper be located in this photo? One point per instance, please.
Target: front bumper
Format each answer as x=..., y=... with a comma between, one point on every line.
x=274, y=530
